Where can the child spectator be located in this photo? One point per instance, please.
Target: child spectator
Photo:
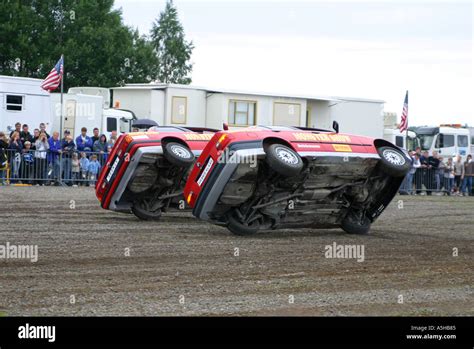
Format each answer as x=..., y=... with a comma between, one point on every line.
x=41, y=163
x=93, y=169
x=84, y=164
x=75, y=169
x=67, y=149
x=448, y=177
x=27, y=164
x=458, y=174
x=42, y=128
x=3, y=157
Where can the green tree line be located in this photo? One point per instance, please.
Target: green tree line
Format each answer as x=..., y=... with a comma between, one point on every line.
x=99, y=49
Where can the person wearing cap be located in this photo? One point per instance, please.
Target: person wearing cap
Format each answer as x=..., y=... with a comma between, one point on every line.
x=83, y=141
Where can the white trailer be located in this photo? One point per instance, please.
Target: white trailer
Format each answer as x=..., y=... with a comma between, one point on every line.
x=23, y=100
x=400, y=138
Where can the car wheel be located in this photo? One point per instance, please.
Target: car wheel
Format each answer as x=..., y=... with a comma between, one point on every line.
x=393, y=161
x=357, y=224
x=237, y=227
x=178, y=154
x=145, y=215
x=283, y=160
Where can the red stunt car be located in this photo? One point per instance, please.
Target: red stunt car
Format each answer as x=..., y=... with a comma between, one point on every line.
x=146, y=171
x=278, y=177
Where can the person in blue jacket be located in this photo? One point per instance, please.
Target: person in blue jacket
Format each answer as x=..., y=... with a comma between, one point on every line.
x=83, y=141
x=53, y=156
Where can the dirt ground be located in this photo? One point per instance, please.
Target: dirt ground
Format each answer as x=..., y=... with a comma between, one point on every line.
x=96, y=262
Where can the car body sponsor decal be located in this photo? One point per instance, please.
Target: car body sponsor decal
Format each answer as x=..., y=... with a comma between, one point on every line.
x=322, y=137
x=342, y=147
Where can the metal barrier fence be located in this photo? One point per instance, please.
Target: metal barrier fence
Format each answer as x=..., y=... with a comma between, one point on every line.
x=427, y=181
x=48, y=167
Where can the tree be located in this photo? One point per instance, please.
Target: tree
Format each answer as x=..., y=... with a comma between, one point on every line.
x=173, y=51
x=99, y=50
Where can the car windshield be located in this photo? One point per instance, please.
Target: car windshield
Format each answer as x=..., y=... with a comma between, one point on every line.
x=426, y=141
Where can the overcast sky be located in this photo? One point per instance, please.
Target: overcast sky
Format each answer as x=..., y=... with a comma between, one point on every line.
x=357, y=49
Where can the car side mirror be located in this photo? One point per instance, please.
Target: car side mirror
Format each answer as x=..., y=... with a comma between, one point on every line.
x=225, y=126
x=335, y=126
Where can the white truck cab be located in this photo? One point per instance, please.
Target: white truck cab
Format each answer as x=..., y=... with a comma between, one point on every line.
x=400, y=139
x=449, y=140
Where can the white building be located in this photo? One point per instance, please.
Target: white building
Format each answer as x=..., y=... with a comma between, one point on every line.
x=186, y=105
x=23, y=100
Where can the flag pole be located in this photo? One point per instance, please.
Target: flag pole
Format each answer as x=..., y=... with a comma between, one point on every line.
x=62, y=90
x=407, y=123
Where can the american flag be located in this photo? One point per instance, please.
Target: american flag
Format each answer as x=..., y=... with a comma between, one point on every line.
x=404, y=122
x=54, y=77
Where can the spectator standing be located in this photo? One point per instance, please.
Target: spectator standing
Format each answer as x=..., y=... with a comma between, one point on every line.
x=113, y=138
x=439, y=174
x=54, y=156
x=422, y=175
x=36, y=134
x=67, y=149
x=468, y=175
x=3, y=157
x=100, y=147
x=458, y=174
x=448, y=176
x=42, y=128
x=83, y=141
x=84, y=164
x=407, y=184
x=25, y=135
x=431, y=182
x=17, y=129
x=95, y=136
x=14, y=155
x=27, y=164
x=41, y=162
x=93, y=169
x=75, y=169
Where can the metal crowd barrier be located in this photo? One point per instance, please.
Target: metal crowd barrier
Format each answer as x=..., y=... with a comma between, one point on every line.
x=425, y=181
x=33, y=167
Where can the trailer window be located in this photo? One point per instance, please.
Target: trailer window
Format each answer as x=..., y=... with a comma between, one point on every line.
x=444, y=141
x=242, y=113
x=14, y=102
x=111, y=124
x=462, y=141
x=399, y=141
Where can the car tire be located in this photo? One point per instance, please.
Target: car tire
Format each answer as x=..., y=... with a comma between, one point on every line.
x=145, y=215
x=393, y=161
x=178, y=154
x=236, y=227
x=352, y=224
x=283, y=160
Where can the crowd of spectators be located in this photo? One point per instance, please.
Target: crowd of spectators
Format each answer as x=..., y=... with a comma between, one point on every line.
x=42, y=159
x=433, y=173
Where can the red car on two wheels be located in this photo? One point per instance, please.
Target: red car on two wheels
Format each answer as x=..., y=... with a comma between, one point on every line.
x=146, y=171
x=268, y=177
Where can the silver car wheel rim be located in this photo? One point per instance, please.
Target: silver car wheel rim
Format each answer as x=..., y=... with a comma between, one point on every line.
x=286, y=156
x=180, y=151
x=394, y=157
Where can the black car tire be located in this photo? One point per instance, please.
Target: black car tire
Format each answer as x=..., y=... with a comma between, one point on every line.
x=283, y=160
x=393, y=161
x=178, y=154
x=145, y=215
x=236, y=227
x=352, y=224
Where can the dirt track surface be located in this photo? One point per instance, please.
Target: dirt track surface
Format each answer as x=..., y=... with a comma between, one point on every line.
x=82, y=257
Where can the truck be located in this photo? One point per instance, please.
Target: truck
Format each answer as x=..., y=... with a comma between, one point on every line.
x=449, y=140
x=88, y=110
x=23, y=100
